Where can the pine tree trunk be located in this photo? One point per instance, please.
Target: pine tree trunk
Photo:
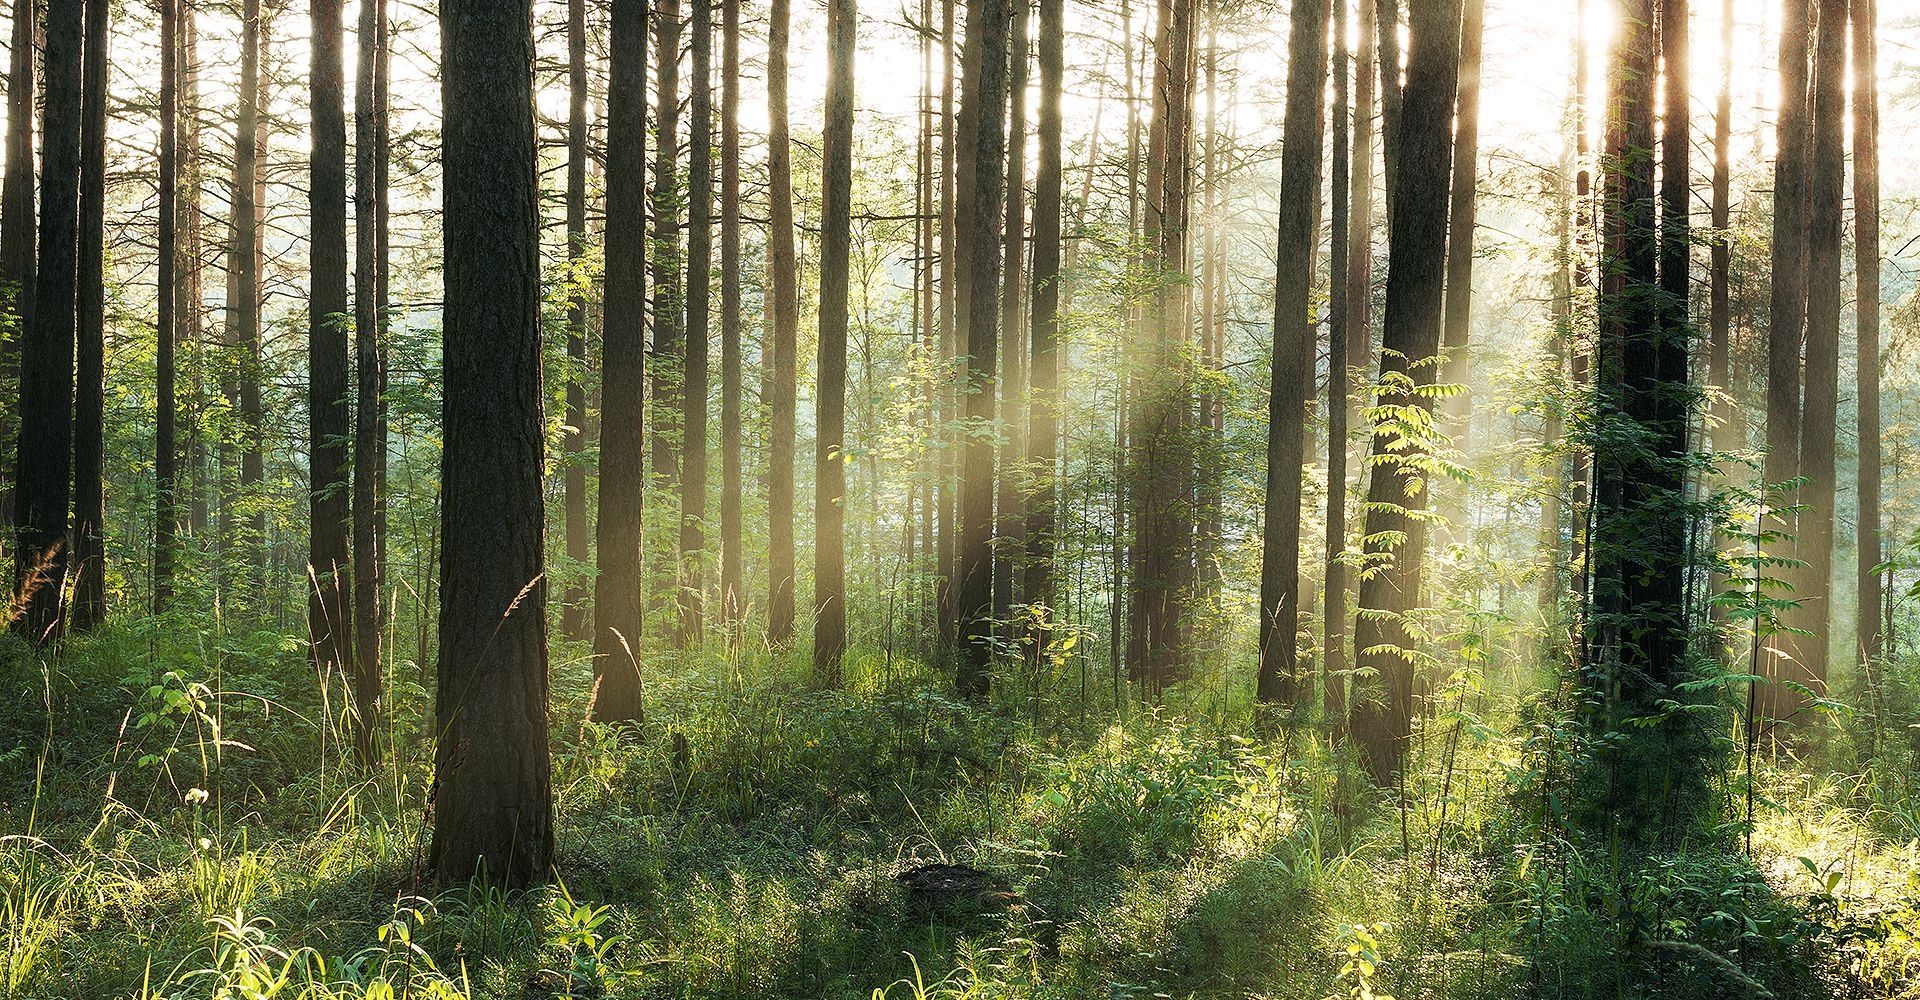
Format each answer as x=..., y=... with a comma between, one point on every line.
x=493, y=795
x=329, y=628
x=370, y=409
x=1392, y=94
x=1043, y=370
x=786, y=334
x=573, y=616
x=16, y=238
x=947, y=479
x=1868, y=546
x=732, y=550
x=166, y=314
x=1457, y=336
x=836, y=245
x=90, y=374
x=693, y=420
x=1293, y=337
x=191, y=325
x=1008, y=554
x=667, y=373
x=1340, y=246
x=618, y=599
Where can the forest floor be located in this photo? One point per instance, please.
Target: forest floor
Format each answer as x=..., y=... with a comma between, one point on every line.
x=180, y=820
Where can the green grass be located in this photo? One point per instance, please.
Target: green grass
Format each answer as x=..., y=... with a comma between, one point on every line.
x=180, y=820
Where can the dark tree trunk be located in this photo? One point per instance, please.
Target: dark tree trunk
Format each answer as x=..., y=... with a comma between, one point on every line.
x=329, y=412
x=1416, y=282
x=667, y=371
x=573, y=615
x=1392, y=95
x=242, y=327
x=1457, y=336
x=493, y=796
x=16, y=237
x=732, y=551
x=191, y=324
x=982, y=137
x=90, y=373
x=619, y=603
x=45, y=457
x=1279, y=683
x=1043, y=369
x=1866, y=255
x=1340, y=248
x=947, y=476
x=786, y=335
x=1725, y=418
x=693, y=420
x=836, y=235
x=166, y=314
x=1008, y=555
x=370, y=357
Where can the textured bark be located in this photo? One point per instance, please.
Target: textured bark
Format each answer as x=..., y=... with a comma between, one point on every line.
x=1868, y=547
x=1340, y=247
x=1392, y=93
x=666, y=364
x=242, y=324
x=1008, y=547
x=618, y=599
x=492, y=792
x=786, y=335
x=329, y=412
x=732, y=550
x=90, y=374
x=983, y=105
x=166, y=313
x=1293, y=337
x=1416, y=276
x=16, y=235
x=1457, y=337
x=45, y=456
x=190, y=327
x=370, y=357
x=1726, y=430
x=573, y=616
x=693, y=419
x=836, y=244
x=1786, y=313
x=947, y=477
x=1043, y=370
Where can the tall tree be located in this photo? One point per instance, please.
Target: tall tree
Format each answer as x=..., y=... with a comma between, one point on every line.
x=166, y=313
x=370, y=279
x=573, y=619
x=90, y=354
x=1384, y=642
x=1386, y=25
x=1868, y=547
x=693, y=420
x=1043, y=369
x=16, y=233
x=1457, y=336
x=947, y=471
x=1292, y=352
x=786, y=334
x=836, y=244
x=667, y=373
x=1007, y=555
x=981, y=141
x=618, y=599
x=732, y=551
x=45, y=457
x=1824, y=239
x=1340, y=250
x=1786, y=312
x=493, y=794
x=190, y=326
x=1720, y=267
x=330, y=420
x=242, y=320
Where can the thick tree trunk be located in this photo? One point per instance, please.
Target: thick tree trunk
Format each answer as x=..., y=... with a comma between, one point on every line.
x=836, y=245
x=330, y=420
x=166, y=313
x=493, y=796
x=786, y=335
x=573, y=615
x=1866, y=254
x=693, y=419
x=1043, y=369
x=45, y=457
x=370, y=409
x=732, y=551
x=1416, y=282
x=1386, y=25
x=1293, y=337
x=618, y=599
x=90, y=374
x=16, y=236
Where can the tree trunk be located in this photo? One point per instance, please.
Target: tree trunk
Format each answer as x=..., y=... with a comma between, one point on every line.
x=330, y=417
x=45, y=458
x=786, y=334
x=732, y=551
x=836, y=236
x=370, y=409
x=667, y=367
x=983, y=105
x=191, y=326
x=1008, y=555
x=1392, y=94
x=1043, y=370
x=1416, y=282
x=90, y=374
x=573, y=615
x=1866, y=254
x=16, y=237
x=1340, y=248
x=1293, y=337
x=619, y=604
x=947, y=479
x=166, y=406
x=242, y=326
x=1458, y=334
x=693, y=420
x=493, y=796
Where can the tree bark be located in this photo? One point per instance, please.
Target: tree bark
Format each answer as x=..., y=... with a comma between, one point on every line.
x=573, y=615
x=667, y=367
x=16, y=236
x=90, y=374
x=1043, y=370
x=693, y=419
x=329, y=627
x=732, y=550
x=618, y=596
x=786, y=335
x=836, y=236
x=492, y=794
x=370, y=357
x=1866, y=254
x=1340, y=249
x=1457, y=336
x=947, y=478
x=1008, y=550
x=166, y=365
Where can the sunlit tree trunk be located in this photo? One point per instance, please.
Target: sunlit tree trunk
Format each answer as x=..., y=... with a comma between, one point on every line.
x=1340, y=286
x=1457, y=336
x=1293, y=338
x=1386, y=25
x=666, y=372
x=370, y=359
x=16, y=236
x=90, y=374
x=492, y=787
x=45, y=457
x=732, y=550
x=1043, y=369
x=329, y=413
x=1385, y=645
x=166, y=313
x=693, y=420
x=1866, y=255
x=1008, y=549
x=786, y=329
x=947, y=477
x=836, y=236
x=618, y=598
x=190, y=326
x=573, y=616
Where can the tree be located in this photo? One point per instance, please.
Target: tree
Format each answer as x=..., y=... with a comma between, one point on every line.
x=836, y=235
x=693, y=419
x=493, y=795
x=16, y=235
x=1394, y=544
x=1007, y=548
x=45, y=457
x=574, y=438
x=90, y=375
x=667, y=372
x=369, y=334
x=786, y=334
x=1786, y=311
x=1346, y=251
x=1043, y=369
x=242, y=322
x=981, y=141
x=1868, y=548
x=1457, y=335
x=329, y=627
x=618, y=599
x=1278, y=682
x=732, y=550
x=1725, y=435
x=166, y=314
x=946, y=529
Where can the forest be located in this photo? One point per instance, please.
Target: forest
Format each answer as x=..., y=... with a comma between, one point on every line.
x=960, y=499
